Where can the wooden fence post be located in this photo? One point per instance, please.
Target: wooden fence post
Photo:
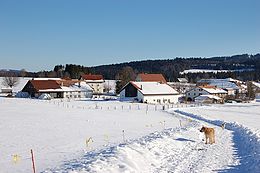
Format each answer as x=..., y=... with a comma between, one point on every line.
x=33, y=162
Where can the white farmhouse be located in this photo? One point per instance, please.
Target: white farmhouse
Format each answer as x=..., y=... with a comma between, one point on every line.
x=205, y=90
x=149, y=92
x=77, y=90
x=97, y=82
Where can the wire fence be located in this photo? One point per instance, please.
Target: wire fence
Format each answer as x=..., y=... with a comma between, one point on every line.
x=27, y=157
x=120, y=107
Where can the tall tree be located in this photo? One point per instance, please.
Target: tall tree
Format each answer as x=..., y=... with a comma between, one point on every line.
x=125, y=75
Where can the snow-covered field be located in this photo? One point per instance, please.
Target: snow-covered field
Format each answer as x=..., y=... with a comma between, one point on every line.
x=57, y=131
x=126, y=137
x=212, y=71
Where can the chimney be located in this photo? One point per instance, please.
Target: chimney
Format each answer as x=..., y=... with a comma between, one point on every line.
x=141, y=87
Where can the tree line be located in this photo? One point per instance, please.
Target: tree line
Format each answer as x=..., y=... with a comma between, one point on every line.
x=249, y=66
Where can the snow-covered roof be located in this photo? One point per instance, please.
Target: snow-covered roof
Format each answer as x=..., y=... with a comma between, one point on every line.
x=214, y=90
x=22, y=82
x=73, y=88
x=45, y=78
x=95, y=81
x=202, y=97
x=202, y=71
x=221, y=83
x=82, y=86
x=256, y=84
x=154, y=88
x=184, y=80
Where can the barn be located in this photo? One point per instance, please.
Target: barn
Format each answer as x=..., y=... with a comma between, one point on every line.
x=149, y=92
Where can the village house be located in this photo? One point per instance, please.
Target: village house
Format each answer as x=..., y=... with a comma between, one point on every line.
x=97, y=82
x=58, y=89
x=149, y=92
x=209, y=99
x=232, y=86
x=144, y=77
x=182, y=86
x=205, y=90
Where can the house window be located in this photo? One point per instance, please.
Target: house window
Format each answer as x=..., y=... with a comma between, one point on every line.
x=188, y=94
x=194, y=93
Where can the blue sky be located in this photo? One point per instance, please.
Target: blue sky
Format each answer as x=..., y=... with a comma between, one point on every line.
x=39, y=34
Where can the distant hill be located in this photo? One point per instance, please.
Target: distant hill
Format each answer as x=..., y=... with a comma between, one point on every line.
x=246, y=67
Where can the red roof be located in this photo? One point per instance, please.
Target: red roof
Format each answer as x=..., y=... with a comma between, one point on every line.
x=207, y=86
x=45, y=84
x=92, y=77
x=151, y=78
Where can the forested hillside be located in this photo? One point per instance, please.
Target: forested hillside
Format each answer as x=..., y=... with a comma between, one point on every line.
x=247, y=67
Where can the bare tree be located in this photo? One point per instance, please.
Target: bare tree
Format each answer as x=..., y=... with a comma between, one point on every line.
x=10, y=80
x=125, y=75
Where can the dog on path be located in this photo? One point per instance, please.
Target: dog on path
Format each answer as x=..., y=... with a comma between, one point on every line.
x=209, y=134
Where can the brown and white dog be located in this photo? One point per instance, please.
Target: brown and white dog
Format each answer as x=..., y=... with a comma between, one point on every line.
x=209, y=134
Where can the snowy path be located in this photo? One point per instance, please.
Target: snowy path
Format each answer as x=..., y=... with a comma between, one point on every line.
x=246, y=144
x=173, y=150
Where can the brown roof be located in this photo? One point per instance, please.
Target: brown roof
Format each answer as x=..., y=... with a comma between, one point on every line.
x=92, y=77
x=151, y=78
x=45, y=84
x=207, y=86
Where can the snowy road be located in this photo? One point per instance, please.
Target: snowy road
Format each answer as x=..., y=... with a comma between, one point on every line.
x=173, y=150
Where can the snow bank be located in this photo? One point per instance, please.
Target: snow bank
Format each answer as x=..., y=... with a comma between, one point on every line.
x=22, y=95
x=45, y=97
